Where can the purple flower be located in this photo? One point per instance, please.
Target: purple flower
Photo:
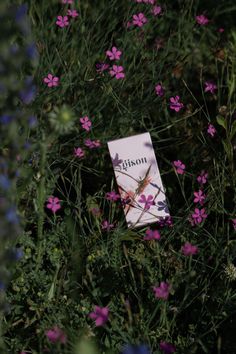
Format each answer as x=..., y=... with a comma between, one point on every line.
x=106, y=225
x=188, y=249
x=167, y=348
x=202, y=20
x=112, y=196
x=202, y=178
x=156, y=10
x=175, y=104
x=199, y=215
x=114, y=53
x=199, y=197
x=179, y=167
x=56, y=335
x=166, y=221
x=139, y=19
x=100, y=67
x=211, y=130
x=162, y=291
x=62, y=21
x=159, y=90
x=12, y=216
x=5, y=183
x=100, y=315
x=210, y=87
x=6, y=119
x=147, y=201
x=117, y=71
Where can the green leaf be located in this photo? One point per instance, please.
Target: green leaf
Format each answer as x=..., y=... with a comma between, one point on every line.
x=228, y=149
x=221, y=121
x=233, y=130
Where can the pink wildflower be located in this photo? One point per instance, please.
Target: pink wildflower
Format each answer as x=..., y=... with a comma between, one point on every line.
x=100, y=315
x=67, y=1
x=221, y=30
x=106, y=225
x=96, y=211
x=175, y=104
x=72, y=13
x=199, y=197
x=78, y=152
x=156, y=10
x=210, y=87
x=234, y=223
x=211, y=130
x=159, y=90
x=113, y=54
x=112, y=196
x=202, y=20
x=62, y=21
x=179, y=167
x=139, y=19
x=199, y=215
x=162, y=291
x=86, y=123
x=51, y=80
x=188, y=249
x=202, y=178
x=148, y=201
x=92, y=144
x=55, y=335
x=53, y=204
x=117, y=71
x=167, y=348
x=152, y=235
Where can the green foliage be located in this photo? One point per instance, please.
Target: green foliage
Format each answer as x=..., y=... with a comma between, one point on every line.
x=70, y=262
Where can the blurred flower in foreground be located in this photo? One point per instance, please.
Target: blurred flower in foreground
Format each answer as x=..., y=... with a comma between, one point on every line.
x=167, y=348
x=136, y=349
x=55, y=335
x=62, y=119
x=202, y=20
x=100, y=315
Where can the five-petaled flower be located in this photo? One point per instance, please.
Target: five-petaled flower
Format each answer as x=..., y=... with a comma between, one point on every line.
x=211, y=130
x=152, y=235
x=112, y=196
x=139, y=19
x=72, y=13
x=92, y=144
x=56, y=335
x=202, y=178
x=199, y=215
x=156, y=10
x=202, y=20
x=53, y=204
x=117, y=71
x=179, y=167
x=100, y=315
x=62, y=21
x=167, y=347
x=86, y=123
x=148, y=201
x=100, y=67
x=188, y=249
x=210, y=87
x=199, y=197
x=175, y=104
x=159, y=90
x=51, y=80
x=162, y=291
x=78, y=152
x=113, y=54
x=162, y=205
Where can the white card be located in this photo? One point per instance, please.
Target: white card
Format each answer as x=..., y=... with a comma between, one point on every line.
x=138, y=179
